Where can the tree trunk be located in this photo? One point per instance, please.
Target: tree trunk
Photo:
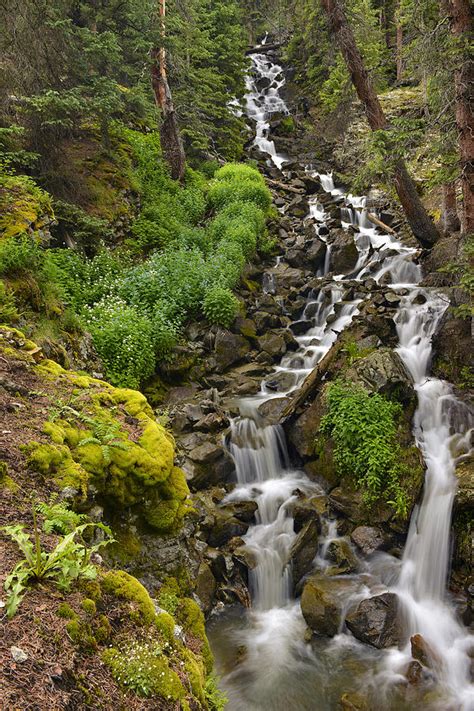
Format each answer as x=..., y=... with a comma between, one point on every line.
x=450, y=219
x=171, y=143
x=399, y=46
x=461, y=27
x=422, y=226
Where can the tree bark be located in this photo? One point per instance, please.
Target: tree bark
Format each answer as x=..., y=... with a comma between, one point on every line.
x=422, y=226
x=461, y=27
x=399, y=45
x=171, y=143
x=450, y=219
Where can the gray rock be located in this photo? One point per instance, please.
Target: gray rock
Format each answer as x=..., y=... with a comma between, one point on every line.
x=375, y=621
x=303, y=550
x=229, y=348
x=19, y=656
x=341, y=554
x=322, y=603
x=273, y=343
x=383, y=371
x=344, y=254
x=225, y=528
x=368, y=539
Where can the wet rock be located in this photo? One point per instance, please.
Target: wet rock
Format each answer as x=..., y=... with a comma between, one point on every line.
x=300, y=327
x=465, y=491
x=205, y=453
x=243, y=510
x=303, y=550
x=303, y=431
x=205, y=586
x=423, y=652
x=209, y=465
x=375, y=621
x=246, y=557
x=347, y=502
x=342, y=556
x=225, y=528
x=344, y=254
x=273, y=343
x=354, y=701
x=229, y=348
x=271, y=410
x=368, y=539
x=383, y=371
x=322, y=603
x=305, y=511
x=213, y=422
x=280, y=382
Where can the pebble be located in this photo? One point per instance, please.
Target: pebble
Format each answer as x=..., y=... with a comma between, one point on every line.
x=18, y=655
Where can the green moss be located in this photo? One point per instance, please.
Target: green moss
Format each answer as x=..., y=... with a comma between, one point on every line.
x=144, y=669
x=65, y=611
x=92, y=589
x=192, y=619
x=81, y=634
x=103, y=629
x=89, y=606
x=124, y=586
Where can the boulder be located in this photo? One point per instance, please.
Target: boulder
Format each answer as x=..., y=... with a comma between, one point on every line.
x=422, y=651
x=344, y=254
x=347, y=502
x=375, y=621
x=229, y=348
x=322, y=602
x=280, y=382
x=271, y=410
x=302, y=432
x=299, y=206
x=368, y=539
x=382, y=371
x=465, y=492
x=225, y=528
x=304, y=511
x=342, y=556
x=205, y=586
x=273, y=343
x=209, y=465
x=303, y=550
x=243, y=510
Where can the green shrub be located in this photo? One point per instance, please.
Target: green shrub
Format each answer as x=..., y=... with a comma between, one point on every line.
x=226, y=192
x=243, y=235
x=19, y=255
x=8, y=311
x=236, y=172
x=364, y=430
x=246, y=212
x=124, y=340
x=220, y=306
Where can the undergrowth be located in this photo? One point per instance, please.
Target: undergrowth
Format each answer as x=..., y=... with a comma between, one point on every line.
x=364, y=429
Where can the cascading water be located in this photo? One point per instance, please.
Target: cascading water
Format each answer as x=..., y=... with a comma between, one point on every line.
x=279, y=670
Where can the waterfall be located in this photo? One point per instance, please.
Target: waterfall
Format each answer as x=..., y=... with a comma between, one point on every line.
x=279, y=670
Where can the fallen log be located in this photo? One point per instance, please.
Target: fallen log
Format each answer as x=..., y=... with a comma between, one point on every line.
x=283, y=186
x=263, y=48
x=379, y=223
x=311, y=381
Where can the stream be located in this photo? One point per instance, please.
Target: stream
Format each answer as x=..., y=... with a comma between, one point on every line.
x=265, y=659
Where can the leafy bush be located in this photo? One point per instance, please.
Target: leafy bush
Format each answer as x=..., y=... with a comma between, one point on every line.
x=247, y=212
x=220, y=306
x=226, y=265
x=67, y=562
x=225, y=192
x=8, y=310
x=243, y=235
x=364, y=430
x=216, y=699
x=235, y=172
x=124, y=341
x=19, y=255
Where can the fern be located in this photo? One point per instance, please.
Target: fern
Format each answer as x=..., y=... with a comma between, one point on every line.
x=67, y=562
x=106, y=436
x=58, y=517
